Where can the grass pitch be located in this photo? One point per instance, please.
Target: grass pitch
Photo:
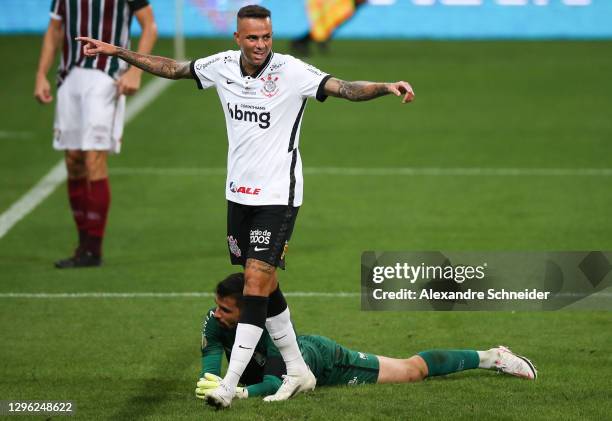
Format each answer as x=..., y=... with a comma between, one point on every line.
x=491, y=105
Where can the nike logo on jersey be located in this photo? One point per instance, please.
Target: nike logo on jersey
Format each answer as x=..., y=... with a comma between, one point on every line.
x=243, y=347
x=261, y=248
x=229, y=82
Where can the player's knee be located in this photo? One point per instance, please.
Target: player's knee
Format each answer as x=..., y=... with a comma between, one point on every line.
x=416, y=369
x=258, y=282
x=95, y=163
x=75, y=164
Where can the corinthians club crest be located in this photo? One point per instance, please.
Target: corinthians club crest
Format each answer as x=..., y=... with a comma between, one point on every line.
x=270, y=88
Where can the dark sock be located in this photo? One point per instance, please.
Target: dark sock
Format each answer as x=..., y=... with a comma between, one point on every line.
x=276, y=303
x=78, y=198
x=97, y=212
x=446, y=361
x=254, y=310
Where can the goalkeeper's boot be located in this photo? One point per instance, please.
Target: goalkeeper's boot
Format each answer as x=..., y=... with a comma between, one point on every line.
x=221, y=397
x=292, y=385
x=516, y=365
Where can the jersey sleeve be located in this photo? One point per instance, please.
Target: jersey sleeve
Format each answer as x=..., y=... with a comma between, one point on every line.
x=212, y=347
x=268, y=386
x=57, y=10
x=134, y=5
x=308, y=80
x=204, y=70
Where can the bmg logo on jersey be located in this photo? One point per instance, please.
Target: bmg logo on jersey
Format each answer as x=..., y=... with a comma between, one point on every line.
x=260, y=237
x=262, y=118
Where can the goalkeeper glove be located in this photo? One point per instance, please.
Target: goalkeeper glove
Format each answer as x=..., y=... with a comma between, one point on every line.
x=210, y=382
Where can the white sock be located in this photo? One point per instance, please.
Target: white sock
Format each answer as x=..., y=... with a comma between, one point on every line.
x=247, y=337
x=487, y=358
x=281, y=331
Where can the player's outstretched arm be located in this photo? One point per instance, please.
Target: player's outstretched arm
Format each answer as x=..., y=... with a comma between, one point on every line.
x=129, y=82
x=364, y=91
x=156, y=65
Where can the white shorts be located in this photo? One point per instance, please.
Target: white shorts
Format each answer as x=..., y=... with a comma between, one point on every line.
x=88, y=115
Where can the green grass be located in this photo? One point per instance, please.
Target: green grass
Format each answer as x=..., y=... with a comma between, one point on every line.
x=479, y=104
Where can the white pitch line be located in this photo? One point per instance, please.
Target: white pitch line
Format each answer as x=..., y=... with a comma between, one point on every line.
x=393, y=171
x=304, y=294
x=15, y=135
x=32, y=198
x=57, y=174
x=160, y=294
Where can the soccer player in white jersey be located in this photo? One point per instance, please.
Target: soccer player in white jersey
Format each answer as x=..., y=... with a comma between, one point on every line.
x=263, y=95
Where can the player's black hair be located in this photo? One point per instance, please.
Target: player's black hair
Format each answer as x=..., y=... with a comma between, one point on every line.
x=254, y=11
x=232, y=286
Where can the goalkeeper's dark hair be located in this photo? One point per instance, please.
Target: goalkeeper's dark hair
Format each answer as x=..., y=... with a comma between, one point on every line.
x=232, y=286
x=254, y=11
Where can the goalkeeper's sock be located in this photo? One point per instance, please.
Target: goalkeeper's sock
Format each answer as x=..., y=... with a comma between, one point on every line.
x=281, y=331
x=442, y=361
x=487, y=358
x=248, y=333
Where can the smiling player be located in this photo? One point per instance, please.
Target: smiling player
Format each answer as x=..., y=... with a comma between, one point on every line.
x=263, y=95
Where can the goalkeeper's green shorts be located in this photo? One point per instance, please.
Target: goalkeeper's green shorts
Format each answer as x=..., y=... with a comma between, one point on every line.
x=333, y=364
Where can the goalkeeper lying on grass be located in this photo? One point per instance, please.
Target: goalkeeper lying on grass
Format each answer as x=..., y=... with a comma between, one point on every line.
x=332, y=364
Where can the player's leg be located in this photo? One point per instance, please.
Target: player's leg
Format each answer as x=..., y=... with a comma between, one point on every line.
x=89, y=196
x=103, y=118
x=67, y=137
x=258, y=282
x=98, y=200
x=280, y=328
x=77, y=197
x=275, y=223
x=394, y=370
x=259, y=279
x=440, y=362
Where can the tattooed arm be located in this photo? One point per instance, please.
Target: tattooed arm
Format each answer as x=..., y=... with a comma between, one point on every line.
x=364, y=91
x=159, y=66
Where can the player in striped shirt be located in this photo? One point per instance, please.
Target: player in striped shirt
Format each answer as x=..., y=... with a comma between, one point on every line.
x=264, y=95
x=90, y=104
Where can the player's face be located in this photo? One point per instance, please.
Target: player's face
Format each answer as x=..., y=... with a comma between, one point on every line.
x=254, y=37
x=227, y=312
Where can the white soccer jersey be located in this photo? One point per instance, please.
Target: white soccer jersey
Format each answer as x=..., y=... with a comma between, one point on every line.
x=263, y=115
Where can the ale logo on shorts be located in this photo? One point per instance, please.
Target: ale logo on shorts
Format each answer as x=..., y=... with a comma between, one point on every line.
x=233, y=246
x=270, y=88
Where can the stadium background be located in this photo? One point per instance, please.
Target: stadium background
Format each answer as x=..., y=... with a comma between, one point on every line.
x=507, y=147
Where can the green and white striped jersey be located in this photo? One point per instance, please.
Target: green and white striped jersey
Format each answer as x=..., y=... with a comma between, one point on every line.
x=106, y=20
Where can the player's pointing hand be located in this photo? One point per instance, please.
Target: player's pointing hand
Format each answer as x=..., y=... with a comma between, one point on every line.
x=94, y=47
x=402, y=88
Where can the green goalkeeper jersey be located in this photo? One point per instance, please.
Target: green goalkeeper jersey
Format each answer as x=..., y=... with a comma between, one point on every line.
x=265, y=368
x=331, y=363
